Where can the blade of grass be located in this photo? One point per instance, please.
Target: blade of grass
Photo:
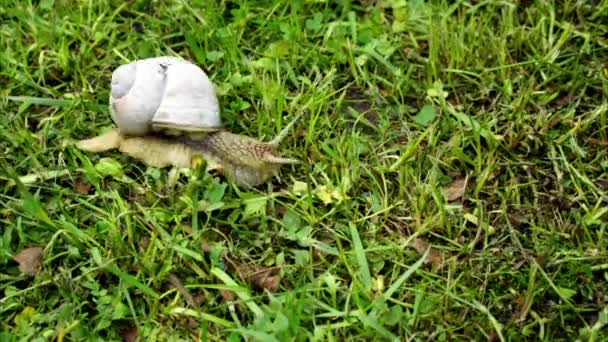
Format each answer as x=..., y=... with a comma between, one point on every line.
x=131, y=280
x=363, y=268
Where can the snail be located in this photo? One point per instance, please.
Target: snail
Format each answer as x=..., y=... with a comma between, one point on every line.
x=166, y=112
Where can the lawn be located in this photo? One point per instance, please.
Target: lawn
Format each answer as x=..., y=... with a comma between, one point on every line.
x=452, y=185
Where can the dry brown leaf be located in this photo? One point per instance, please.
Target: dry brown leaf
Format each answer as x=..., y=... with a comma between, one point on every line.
x=493, y=336
x=191, y=323
x=455, y=189
x=130, y=334
x=434, y=256
x=227, y=295
x=264, y=278
x=187, y=228
x=600, y=142
x=143, y=243
x=81, y=186
x=522, y=311
x=30, y=260
x=264, y=281
x=566, y=100
x=199, y=299
x=205, y=246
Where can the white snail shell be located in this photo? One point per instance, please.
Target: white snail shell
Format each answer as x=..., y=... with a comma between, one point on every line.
x=162, y=93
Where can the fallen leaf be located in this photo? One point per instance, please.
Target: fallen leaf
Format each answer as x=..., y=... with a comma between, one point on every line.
x=324, y=195
x=187, y=228
x=29, y=260
x=540, y=260
x=434, y=256
x=81, y=186
x=522, y=312
x=553, y=122
x=518, y=218
x=600, y=142
x=378, y=285
x=199, y=299
x=130, y=334
x=493, y=336
x=227, y=295
x=143, y=243
x=329, y=196
x=299, y=187
x=206, y=246
x=455, y=189
x=191, y=323
x=270, y=283
x=566, y=100
x=264, y=278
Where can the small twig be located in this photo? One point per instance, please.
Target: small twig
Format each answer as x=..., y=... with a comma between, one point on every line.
x=174, y=280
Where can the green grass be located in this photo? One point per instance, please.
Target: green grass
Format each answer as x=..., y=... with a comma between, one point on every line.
x=400, y=101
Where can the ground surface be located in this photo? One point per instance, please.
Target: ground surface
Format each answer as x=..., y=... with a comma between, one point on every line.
x=478, y=129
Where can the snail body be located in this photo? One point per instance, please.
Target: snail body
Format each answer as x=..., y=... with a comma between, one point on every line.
x=166, y=111
x=247, y=160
